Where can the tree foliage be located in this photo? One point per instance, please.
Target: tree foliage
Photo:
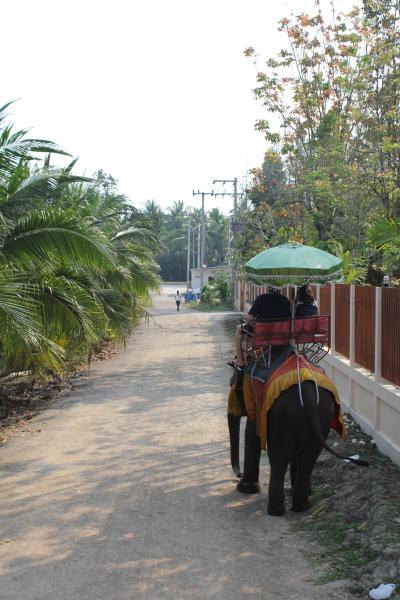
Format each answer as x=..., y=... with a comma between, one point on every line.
x=172, y=228
x=332, y=122
x=76, y=262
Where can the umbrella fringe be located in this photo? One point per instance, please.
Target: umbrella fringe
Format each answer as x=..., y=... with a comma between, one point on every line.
x=296, y=279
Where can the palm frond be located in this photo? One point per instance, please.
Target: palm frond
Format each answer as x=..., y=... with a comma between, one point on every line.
x=384, y=233
x=21, y=328
x=18, y=309
x=42, y=236
x=15, y=146
x=39, y=190
x=70, y=310
x=138, y=234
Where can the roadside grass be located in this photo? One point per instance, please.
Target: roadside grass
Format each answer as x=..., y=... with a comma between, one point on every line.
x=339, y=554
x=205, y=307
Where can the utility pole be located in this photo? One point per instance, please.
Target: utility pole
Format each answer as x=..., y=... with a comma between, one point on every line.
x=202, y=233
x=198, y=246
x=229, y=244
x=188, y=260
x=229, y=231
x=194, y=255
x=234, y=229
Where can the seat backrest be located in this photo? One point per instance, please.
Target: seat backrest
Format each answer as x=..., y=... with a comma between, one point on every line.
x=271, y=333
x=277, y=333
x=311, y=329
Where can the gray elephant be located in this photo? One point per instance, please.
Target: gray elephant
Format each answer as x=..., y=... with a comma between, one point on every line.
x=296, y=432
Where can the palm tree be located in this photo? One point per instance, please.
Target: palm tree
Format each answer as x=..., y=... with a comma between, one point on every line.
x=153, y=218
x=15, y=147
x=172, y=258
x=385, y=234
x=216, y=238
x=72, y=269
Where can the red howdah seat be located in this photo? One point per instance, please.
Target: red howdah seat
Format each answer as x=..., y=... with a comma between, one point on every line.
x=309, y=334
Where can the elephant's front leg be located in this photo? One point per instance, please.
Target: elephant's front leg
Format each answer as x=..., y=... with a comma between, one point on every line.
x=252, y=453
x=234, y=437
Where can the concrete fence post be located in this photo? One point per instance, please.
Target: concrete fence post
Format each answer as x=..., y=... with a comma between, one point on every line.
x=378, y=353
x=333, y=319
x=378, y=333
x=352, y=332
x=237, y=295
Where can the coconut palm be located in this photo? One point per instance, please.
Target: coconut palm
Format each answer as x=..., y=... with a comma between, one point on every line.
x=16, y=147
x=216, y=238
x=72, y=269
x=385, y=234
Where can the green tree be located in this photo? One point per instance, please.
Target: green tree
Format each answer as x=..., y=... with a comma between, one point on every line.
x=73, y=269
x=316, y=89
x=268, y=183
x=216, y=248
x=377, y=113
x=173, y=255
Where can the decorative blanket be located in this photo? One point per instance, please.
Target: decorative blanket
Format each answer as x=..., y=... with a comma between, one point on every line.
x=263, y=373
x=234, y=407
x=259, y=397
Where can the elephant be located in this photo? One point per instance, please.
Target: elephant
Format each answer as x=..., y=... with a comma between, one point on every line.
x=296, y=433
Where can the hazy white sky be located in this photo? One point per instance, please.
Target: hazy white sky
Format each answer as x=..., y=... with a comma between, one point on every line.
x=155, y=92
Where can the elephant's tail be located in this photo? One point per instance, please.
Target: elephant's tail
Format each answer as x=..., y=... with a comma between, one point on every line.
x=312, y=414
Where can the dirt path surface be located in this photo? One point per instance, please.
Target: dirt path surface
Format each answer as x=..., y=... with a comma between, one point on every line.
x=123, y=490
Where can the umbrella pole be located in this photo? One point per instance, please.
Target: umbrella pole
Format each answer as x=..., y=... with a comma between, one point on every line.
x=292, y=296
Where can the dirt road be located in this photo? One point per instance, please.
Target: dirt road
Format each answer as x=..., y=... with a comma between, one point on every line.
x=123, y=490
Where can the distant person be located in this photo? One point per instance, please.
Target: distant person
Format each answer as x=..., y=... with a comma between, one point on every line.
x=266, y=306
x=178, y=299
x=306, y=305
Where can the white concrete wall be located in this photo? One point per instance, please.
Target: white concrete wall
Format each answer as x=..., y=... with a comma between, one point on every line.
x=375, y=405
x=207, y=273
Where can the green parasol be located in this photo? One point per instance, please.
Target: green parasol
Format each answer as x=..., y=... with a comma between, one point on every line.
x=294, y=264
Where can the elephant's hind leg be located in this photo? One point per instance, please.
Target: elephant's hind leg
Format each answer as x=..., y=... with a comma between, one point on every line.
x=276, y=494
x=302, y=486
x=293, y=475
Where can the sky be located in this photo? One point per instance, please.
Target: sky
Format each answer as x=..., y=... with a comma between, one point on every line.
x=157, y=93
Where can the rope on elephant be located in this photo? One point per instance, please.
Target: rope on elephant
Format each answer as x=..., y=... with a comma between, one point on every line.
x=299, y=382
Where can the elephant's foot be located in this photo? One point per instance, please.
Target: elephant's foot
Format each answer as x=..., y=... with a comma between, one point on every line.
x=248, y=487
x=300, y=505
x=276, y=510
x=237, y=471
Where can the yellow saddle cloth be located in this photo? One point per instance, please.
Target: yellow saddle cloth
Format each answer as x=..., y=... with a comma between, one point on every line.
x=259, y=396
